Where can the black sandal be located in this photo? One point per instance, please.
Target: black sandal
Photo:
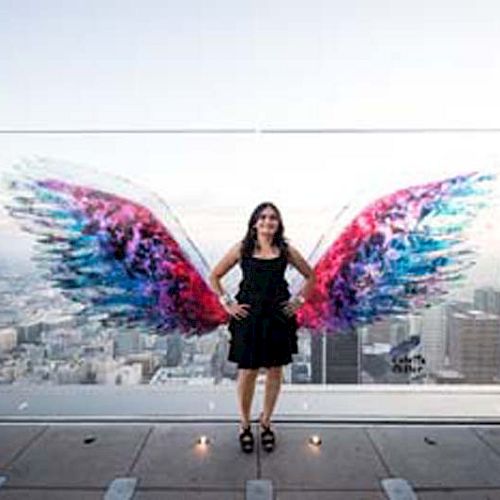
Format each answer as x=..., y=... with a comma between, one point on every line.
x=267, y=436
x=246, y=439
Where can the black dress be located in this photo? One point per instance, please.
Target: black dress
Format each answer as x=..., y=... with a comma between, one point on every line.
x=267, y=336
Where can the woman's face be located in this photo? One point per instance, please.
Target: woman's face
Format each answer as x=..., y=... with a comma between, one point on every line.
x=267, y=221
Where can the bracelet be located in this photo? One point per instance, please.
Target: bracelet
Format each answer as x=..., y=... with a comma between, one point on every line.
x=300, y=298
x=225, y=299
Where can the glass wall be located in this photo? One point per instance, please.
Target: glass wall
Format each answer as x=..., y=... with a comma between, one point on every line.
x=203, y=187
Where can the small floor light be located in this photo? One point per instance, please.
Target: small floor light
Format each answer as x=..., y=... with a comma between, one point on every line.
x=315, y=440
x=203, y=440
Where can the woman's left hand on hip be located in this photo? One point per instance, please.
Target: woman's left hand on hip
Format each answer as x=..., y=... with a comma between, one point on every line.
x=290, y=306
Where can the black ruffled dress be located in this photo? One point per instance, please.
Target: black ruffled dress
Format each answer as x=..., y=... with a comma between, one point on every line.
x=267, y=336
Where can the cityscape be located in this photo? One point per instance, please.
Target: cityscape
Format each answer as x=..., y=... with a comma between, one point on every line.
x=44, y=341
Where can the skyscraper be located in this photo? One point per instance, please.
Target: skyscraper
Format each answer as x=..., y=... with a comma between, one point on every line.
x=487, y=299
x=335, y=358
x=475, y=345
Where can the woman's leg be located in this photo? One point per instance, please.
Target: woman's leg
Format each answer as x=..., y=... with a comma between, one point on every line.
x=246, y=389
x=273, y=384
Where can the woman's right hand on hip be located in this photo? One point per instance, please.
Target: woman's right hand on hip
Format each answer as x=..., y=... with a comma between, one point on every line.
x=237, y=311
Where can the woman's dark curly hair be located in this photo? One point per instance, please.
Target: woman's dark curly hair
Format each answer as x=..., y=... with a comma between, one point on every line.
x=249, y=242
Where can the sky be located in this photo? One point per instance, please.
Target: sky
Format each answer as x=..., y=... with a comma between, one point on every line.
x=164, y=63
x=257, y=65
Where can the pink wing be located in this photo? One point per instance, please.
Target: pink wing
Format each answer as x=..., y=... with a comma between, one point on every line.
x=113, y=254
x=398, y=255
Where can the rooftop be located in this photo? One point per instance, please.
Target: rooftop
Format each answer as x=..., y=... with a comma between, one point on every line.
x=377, y=442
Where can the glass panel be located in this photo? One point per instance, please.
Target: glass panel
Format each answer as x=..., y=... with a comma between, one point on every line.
x=211, y=183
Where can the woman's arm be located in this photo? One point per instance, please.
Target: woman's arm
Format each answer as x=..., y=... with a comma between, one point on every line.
x=223, y=266
x=296, y=259
x=236, y=310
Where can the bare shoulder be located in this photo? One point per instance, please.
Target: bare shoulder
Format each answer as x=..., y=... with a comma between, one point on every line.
x=296, y=259
x=230, y=258
x=236, y=250
x=293, y=253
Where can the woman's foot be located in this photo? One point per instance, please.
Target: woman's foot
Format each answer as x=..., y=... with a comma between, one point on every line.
x=267, y=436
x=246, y=438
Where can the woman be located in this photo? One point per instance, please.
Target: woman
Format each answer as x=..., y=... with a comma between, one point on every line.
x=263, y=324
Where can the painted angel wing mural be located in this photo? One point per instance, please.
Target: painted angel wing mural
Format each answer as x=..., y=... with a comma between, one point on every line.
x=399, y=254
x=111, y=253
x=119, y=250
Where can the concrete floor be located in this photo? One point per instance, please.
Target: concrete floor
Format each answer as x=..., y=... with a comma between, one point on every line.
x=80, y=461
